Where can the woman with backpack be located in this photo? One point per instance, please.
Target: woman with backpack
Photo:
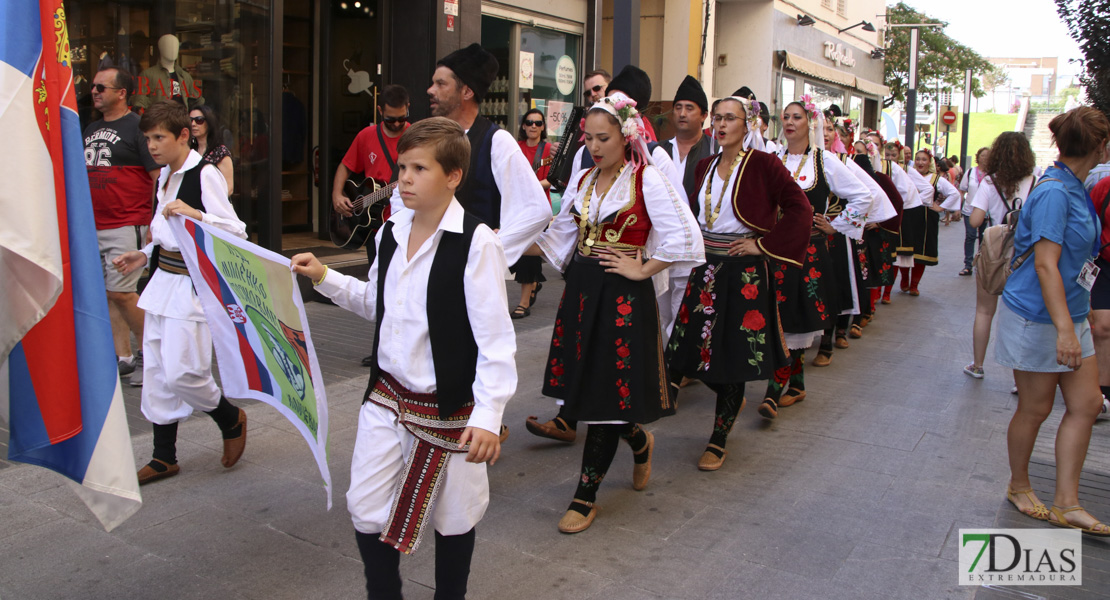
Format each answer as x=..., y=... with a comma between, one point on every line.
x=1043, y=334
x=1010, y=164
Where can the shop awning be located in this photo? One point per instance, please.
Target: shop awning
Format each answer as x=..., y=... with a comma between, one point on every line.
x=870, y=87
x=819, y=71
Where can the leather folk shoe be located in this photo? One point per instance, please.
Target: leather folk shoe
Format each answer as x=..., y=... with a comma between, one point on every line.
x=550, y=431
x=792, y=396
x=574, y=521
x=148, y=474
x=233, y=448
x=712, y=458
x=823, y=359
x=641, y=473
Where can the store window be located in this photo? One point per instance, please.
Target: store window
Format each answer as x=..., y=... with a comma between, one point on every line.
x=824, y=95
x=213, y=52
x=539, y=68
x=854, y=107
x=555, y=76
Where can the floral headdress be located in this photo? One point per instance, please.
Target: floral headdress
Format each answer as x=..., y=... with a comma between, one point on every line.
x=623, y=108
x=816, y=122
x=872, y=152
x=754, y=138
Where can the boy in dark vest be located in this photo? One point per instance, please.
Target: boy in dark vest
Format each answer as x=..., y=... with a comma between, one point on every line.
x=177, y=344
x=444, y=347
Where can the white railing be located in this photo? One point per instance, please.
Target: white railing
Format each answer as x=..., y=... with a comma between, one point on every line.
x=1023, y=114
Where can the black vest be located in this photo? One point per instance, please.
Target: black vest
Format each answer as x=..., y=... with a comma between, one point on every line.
x=697, y=152
x=454, y=351
x=189, y=192
x=479, y=194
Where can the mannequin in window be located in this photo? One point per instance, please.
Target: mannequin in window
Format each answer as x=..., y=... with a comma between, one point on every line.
x=167, y=80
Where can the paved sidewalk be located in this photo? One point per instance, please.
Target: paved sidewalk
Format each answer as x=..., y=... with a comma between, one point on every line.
x=859, y=492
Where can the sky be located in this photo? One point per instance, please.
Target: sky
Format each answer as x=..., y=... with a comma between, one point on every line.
x=999, y=28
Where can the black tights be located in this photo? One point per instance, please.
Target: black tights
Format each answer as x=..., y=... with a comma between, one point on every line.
x=381, y=564
x=600, y=448
x=730, y=399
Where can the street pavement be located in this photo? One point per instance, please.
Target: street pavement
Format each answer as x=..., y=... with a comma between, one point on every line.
x=858, y=492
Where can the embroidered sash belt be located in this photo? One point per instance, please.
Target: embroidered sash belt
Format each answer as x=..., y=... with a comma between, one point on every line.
x=172, y=262
x=719, y=243
x=436, y=438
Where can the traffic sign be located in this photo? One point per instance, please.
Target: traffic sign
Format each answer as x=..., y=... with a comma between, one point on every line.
x=948, y=117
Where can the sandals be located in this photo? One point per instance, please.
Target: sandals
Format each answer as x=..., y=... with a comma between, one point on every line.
x=535, y=292
x=1039, y=510
x=791, y=396
x=712, y=458
x=1098, y=529
x=574, y=521
x=520, y=311
x=550, y=430
x=965, y=272
x=641, y=473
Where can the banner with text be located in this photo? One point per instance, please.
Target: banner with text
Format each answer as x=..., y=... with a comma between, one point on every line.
x=259, y=329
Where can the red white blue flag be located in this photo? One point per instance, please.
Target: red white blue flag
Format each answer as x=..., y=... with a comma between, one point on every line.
x=59, y=383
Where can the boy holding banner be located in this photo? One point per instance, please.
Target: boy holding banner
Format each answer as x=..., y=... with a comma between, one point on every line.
x=444, y=367
x=177, y=344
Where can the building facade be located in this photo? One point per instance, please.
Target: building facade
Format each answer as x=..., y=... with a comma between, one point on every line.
x=294, y=81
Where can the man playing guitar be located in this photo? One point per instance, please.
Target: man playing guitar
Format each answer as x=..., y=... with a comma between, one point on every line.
x=374, y=155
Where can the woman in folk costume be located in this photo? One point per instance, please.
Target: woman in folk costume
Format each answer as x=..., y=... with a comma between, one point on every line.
x=849, y=255
x=879, y=238
x=937, y=195
x=911, y=230
x=727, y=330
x=606, y=359
x=808, y=298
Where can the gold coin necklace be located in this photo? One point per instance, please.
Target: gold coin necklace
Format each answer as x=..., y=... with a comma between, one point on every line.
x=593, y=232
x=712, y=212
x=801, y=165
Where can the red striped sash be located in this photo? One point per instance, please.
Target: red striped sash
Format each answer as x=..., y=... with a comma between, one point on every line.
x=436, y=438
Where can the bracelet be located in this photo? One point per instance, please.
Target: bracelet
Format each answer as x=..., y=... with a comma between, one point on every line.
x=321, y=279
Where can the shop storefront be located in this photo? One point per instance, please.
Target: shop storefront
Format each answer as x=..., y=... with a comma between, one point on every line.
x=540, y=64
x=829, y=70
x=294, y=81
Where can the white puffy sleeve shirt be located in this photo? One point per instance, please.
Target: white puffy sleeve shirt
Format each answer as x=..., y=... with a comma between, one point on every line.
x=950, y=196
x=911, y=197
x=405, y=348
x=881, y=209
x=675, y=236
x=168, y=294
x=856, y=196
x=525, y=210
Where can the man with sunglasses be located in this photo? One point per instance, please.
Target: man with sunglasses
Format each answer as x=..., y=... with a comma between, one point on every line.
x=594, y=85
x=374, y=154
x=121, y=179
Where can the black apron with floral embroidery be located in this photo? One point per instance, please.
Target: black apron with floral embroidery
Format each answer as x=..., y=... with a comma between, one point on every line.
x=606, y=356
x=727, y=329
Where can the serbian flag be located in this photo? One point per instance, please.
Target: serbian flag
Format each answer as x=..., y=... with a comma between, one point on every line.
x=59, y=383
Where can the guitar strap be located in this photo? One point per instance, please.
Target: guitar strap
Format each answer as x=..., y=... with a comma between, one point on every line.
x=385, y=151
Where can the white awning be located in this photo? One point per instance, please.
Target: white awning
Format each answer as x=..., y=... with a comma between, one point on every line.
x=870, y=87
x=826, y=73
x=819, y=71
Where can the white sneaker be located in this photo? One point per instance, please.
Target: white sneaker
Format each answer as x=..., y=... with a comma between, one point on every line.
x=1105, y=412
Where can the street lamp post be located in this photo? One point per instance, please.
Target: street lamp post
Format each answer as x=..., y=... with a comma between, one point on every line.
x=911, y=92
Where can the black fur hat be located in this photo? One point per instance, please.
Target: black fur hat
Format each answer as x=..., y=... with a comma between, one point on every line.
x=691, y=91
x=635, y=83
x=476, y=67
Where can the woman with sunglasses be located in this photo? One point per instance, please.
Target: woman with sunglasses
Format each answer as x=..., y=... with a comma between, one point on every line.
x=205, y=128
x=532, y=138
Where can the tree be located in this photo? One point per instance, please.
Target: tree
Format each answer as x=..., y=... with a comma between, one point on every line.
x=939, y=58
x=1088, y=23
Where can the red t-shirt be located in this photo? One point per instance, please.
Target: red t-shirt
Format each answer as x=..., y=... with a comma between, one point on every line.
x=119, y=166
x=530, y=155
x=366, y=156
x=1098, y=196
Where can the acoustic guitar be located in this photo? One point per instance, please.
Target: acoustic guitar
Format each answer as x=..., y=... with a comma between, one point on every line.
x=369, y=199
